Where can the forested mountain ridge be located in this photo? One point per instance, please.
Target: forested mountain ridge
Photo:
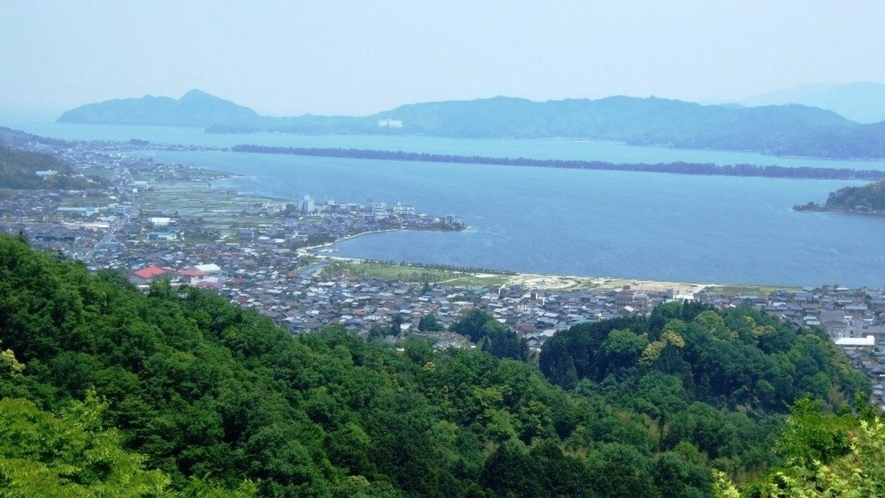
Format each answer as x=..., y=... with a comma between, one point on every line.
x=204, y=389
x=778, y=130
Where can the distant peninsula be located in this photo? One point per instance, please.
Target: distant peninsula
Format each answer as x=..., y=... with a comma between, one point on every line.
x=786, y=130
x=868, y=199
x=679, y=167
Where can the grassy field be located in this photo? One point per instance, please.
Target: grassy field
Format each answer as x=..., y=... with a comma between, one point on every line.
x=219, y=210
x=408, y=273
x=745, y=290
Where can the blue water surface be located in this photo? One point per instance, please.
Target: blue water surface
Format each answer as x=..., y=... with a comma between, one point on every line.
x=559, y=221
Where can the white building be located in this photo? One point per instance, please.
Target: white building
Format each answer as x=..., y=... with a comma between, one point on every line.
x=159, y=221
x=856, y=342
x=390, y=123
x=307, y=205
x=402, y=209
x=379, y=209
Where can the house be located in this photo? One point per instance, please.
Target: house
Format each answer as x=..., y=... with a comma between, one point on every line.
x=624, y=297
x=147, y=274
x=856, y=342
x=209, y=270
x=191, y=275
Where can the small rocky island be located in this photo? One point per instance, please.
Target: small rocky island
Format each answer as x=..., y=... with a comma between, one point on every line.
x=868, y=199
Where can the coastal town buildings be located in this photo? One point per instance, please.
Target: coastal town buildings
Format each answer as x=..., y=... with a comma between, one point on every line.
x=253, y=255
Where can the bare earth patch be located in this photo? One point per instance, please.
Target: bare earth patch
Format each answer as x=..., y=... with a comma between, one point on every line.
x=554, y=282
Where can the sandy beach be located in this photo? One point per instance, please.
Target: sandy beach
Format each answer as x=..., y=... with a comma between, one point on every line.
x=553, y=282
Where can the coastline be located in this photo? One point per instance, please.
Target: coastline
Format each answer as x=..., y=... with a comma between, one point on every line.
x=541, y=281
x=532, y=280
x=308, y=249
x=848, y=212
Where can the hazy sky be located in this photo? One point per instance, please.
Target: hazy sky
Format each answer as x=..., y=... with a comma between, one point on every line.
x=359, y=57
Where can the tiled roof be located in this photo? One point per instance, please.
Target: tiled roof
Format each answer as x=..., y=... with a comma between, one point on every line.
x=149, y=272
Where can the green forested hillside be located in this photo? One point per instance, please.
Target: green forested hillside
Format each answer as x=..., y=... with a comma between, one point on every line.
x=214, y=395
x=740, y=358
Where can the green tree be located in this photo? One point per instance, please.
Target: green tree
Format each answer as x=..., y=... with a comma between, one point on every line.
x=43, y=455
x=9, y=366
x=827, y=456
x=429, y=323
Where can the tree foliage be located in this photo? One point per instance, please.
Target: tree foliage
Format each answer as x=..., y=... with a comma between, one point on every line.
x=491, y=335
x=826, y=455
x=214, y=396
x=42, y=455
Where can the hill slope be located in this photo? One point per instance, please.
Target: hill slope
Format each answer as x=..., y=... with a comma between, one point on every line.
x=18, y=139
x=18, y=170
x=203, y=388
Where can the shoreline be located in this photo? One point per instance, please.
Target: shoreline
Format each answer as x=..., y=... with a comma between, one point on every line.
x=547, y=281
x=533, y=280
x=307, y=249
x=544, y=281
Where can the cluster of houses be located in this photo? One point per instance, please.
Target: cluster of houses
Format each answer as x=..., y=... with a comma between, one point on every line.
x=306, y=299
x=111, y=228
x=849, y=316
x=36, y=214
x=198, y=275
x=257, y=265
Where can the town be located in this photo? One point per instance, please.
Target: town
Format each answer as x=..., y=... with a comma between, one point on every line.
x=156, y=221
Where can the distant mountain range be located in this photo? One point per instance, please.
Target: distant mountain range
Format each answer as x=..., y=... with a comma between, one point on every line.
x=863, y=102
x=195, y=108
x=777, y=130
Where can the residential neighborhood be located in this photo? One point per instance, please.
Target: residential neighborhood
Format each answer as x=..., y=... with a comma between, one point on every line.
x=155, y=221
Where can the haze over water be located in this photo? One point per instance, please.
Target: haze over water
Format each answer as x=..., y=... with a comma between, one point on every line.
x=575, y=222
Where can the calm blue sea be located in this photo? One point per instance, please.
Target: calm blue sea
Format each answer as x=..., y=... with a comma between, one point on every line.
x=592, y=223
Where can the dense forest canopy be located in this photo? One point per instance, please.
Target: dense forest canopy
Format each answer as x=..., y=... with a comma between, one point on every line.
x=192, y=395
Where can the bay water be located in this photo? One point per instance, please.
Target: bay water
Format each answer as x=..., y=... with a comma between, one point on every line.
x=633, y=225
